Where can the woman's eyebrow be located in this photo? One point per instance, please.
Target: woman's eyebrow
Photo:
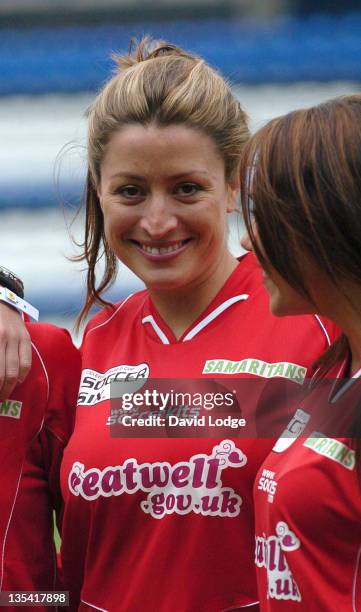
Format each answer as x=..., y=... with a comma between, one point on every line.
x=138, y=177
x=128, y=175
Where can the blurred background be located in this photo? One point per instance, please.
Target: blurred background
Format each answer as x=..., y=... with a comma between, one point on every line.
x=54, y=54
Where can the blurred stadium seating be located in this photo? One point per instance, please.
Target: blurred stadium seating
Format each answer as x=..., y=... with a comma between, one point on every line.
x=285, y=49
x=49, y=74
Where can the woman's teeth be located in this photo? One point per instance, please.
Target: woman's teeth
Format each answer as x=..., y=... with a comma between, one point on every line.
x=161, y=250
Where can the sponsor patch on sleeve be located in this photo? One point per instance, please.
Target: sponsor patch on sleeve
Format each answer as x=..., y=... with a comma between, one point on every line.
x=11, y=408
x=332, y=449
x=257, y=367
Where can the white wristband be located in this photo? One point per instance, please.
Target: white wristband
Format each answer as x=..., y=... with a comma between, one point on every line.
x=10, y=298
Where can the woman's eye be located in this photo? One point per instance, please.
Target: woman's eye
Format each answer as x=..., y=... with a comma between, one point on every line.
x=129, y=191
x=188, y=189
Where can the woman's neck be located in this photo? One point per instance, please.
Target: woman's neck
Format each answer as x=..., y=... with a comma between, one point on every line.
x=179, y=308
x=347, y=316
x=355, y=347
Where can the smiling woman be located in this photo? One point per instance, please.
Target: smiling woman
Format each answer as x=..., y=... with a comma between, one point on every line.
x=164, y=142
x=160, y=523
x=168, y=223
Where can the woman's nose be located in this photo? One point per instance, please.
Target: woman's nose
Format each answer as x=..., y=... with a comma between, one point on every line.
x=158, y=219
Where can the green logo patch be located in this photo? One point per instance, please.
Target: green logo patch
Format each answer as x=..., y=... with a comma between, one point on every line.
x=11, y=408
x=332, y=449
x=281, y=369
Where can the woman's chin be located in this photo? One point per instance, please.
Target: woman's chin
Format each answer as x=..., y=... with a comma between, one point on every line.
x=279, y=307
x=277, y=310
x=285, y=301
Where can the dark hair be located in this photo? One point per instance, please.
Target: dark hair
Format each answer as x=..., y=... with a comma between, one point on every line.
x=301, y=182
x=155, y=83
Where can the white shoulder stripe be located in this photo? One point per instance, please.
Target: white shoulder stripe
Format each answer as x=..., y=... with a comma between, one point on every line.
x=323, y=329
x=92, y=606
x=357, y=568
x=45, y=371
x=111, y=316
x=213, y=315
x=8, y=525
x=350, y=381
x=249, y=605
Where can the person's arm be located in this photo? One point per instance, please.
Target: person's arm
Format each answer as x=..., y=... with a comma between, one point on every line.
x=15, y=344
x=15, y=350
x=50, y=393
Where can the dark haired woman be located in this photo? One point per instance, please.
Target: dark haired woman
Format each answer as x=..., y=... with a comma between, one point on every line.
x=167, y=524
x=303, y=216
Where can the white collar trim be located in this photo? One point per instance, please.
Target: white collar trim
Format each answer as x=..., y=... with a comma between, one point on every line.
x=201, y=325
x=213, y=315
x=329, y=341
x=160, y=333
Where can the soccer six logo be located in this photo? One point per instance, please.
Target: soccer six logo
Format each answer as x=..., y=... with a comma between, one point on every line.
x=95, y=387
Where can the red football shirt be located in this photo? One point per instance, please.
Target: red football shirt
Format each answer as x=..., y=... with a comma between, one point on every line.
x=167, y=524
x=36, y=423
x=308, y=507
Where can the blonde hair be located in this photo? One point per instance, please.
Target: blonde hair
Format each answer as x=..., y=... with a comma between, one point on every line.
x=155, y=83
